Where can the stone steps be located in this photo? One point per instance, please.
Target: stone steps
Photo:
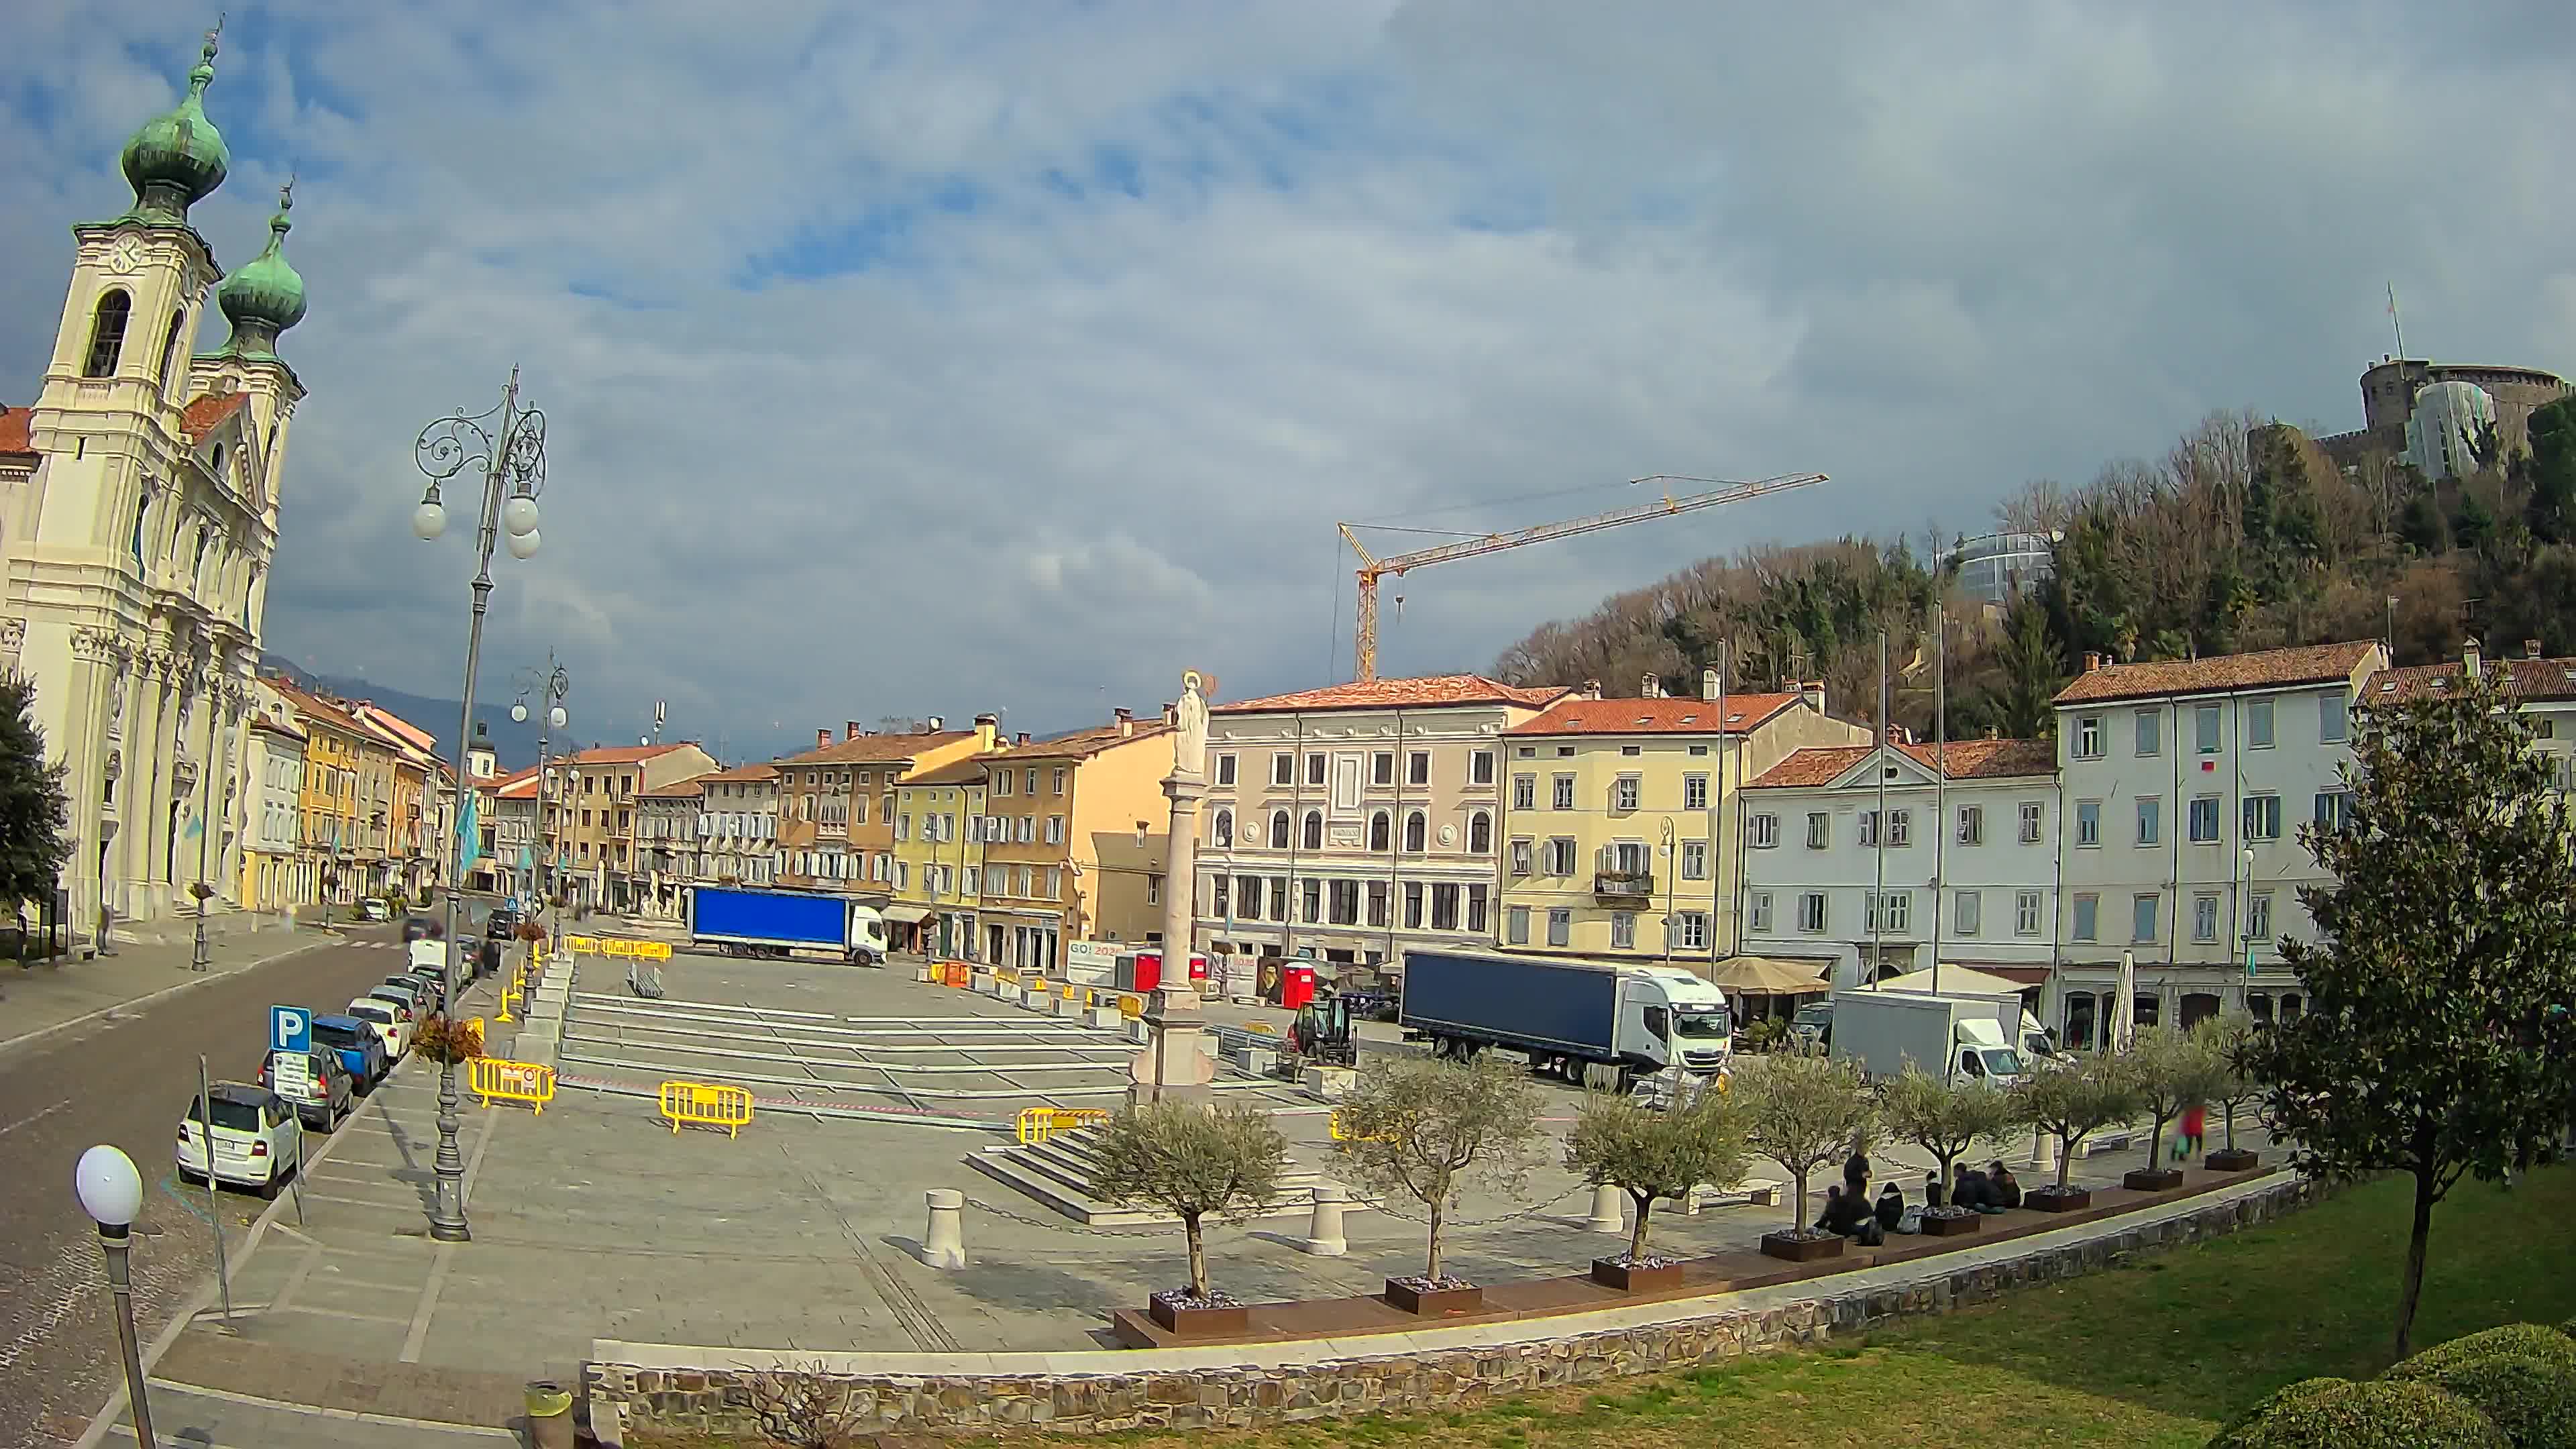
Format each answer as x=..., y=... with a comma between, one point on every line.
x=1057, y=1173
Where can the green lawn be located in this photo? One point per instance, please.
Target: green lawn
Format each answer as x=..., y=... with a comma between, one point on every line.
x=2156, y=1354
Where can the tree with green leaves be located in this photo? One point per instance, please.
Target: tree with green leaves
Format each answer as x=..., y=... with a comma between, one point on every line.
x=35, y=813
x=2437, y=1040
x=1192, y=1162
x=1619, y=1142
x=2223, y=1038
x=1802, y=1110
x=1945, y=1116
x=2074, y=1102
x=2550, y=471
x=1430, y=1128
x=2170, y=1070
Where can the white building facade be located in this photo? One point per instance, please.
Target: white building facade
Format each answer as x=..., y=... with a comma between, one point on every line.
x=139, y=547
x=276, y=875
x=2184, y=784
x=738, y=826
x=1962, y=869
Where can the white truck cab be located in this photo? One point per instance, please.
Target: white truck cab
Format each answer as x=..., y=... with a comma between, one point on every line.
x=868, y=941
x=1678, y=1020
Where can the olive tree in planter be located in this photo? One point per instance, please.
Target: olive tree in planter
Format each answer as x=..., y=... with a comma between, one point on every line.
x=2170, y=1070
x=2224, y=1037
x=1946, y=1116
x=2073, y=1101
x=1194, y=1163
x=1428, y=1128
x=1618, y=1142
x=1801, y=1110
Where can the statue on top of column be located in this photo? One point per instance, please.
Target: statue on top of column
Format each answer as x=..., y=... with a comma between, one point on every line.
x=1189, y=744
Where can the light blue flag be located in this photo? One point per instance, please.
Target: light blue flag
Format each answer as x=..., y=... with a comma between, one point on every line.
x=468, y=831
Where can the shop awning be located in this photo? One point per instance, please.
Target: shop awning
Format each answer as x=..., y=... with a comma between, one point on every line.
x=1764, y=976
x=907, y=915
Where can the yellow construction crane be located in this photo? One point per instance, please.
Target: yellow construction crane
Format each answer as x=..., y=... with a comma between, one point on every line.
x=1373, y=568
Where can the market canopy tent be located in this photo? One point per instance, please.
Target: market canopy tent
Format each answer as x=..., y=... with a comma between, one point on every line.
x=1954, y=978
x=1763, y=976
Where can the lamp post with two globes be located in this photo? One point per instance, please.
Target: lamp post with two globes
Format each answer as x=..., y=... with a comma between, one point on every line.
x=550, y=686
x=111, y=1192
x=509, y=444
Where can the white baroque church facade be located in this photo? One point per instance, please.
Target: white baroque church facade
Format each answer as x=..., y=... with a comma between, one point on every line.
x=138, y=546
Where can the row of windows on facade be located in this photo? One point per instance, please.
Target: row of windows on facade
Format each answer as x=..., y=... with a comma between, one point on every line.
x=1688, y=930
x=2258, y=818
x=1438, y=906
x=937, y=879
x=748, y=869
x=1556, y=857
x=1627, y=793
x=2208, y=728
x=1417, y=768
x=1381, y=832
x=1002, y=781
x=1892, y=913
x=1762, y=830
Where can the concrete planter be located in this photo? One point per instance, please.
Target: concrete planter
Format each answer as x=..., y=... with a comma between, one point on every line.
x=2050, y=1200
x=1952, y=1227
x=1433, y=1302
x=2232, y=1159
x=1189, y=1322
x=1801, y=1250
x=2152, y=1179
x=1611, y=1273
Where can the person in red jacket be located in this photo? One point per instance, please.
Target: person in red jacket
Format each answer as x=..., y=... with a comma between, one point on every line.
x=2195, y=1122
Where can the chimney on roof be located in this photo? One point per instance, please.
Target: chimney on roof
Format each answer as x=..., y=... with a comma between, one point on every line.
x=849, y=729
x=936, y=723
x=822, y=737
x=1591, y=689
x=2092, y=660
x=1651, y=688
x=987, y=727
x=1813, y=692
x=2469, y=656
x=1708, y=683
x=1021, y=738
x=2530, y=648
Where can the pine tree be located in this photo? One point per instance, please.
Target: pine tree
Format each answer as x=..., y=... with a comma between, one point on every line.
x=34, y=813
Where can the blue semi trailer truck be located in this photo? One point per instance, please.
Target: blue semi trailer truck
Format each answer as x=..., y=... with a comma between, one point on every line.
x=743, y=922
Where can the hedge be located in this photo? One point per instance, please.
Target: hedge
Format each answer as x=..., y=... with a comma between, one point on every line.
x=2524, y=1340
x=2341, y=1414
x=2522, y=1376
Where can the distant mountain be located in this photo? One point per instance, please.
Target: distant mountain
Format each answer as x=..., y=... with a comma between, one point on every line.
x=514, y=743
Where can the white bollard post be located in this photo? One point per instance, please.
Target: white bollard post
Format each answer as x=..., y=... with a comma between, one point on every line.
x=943, y=1243
x=1324, y=1231
x=1606, y=1215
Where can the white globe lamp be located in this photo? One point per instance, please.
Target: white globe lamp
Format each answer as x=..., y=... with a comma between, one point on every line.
x=111, y=1191
x=429, y=520
x=523, y=545
x=519, y=515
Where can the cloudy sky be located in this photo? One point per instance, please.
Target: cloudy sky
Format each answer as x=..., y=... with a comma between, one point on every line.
x=913, y=358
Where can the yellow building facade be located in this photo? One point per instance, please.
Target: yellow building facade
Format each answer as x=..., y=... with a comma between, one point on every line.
x=939, y=856
x=329, y=834
x=1620, y=824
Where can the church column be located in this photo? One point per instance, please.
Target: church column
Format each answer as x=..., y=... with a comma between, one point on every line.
x=92, y=729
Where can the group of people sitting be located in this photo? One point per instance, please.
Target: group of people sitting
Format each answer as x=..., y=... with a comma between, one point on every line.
x=1850, y=1213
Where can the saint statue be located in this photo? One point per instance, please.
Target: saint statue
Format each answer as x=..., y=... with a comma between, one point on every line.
x=1189, y=745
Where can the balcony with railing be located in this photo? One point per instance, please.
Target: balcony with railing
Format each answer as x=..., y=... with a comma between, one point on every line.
x=1623, y=874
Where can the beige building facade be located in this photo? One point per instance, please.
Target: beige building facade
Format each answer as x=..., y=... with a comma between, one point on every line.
x=1073, y=843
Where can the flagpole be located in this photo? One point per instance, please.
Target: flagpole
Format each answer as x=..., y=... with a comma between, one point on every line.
x=1940, y=779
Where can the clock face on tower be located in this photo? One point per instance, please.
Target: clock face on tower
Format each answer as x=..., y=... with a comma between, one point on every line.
x=126, y=255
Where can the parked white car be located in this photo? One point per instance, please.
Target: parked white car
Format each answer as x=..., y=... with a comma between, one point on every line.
x=257, y=1141
x=390, y=1021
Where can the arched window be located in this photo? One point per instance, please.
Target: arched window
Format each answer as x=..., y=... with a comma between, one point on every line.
x=1380, y=831
x=1314, y=830
x=142, y=514
x=1221, y=830
x=1278, y=830
x=1480, y=834
x=1416, y=827
x=170, y=347
x=107, y=333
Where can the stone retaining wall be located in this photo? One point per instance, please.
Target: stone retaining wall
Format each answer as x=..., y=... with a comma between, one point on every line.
x=719, y=1399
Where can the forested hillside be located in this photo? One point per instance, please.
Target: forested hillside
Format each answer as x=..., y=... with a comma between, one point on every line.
x=2242, y=536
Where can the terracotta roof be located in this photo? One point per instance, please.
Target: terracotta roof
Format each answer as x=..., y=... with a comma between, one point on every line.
x=618, y=754
x=1428, y=692
x=1968, y=760
x=741, y=774
x=1083, y=744
x=204, y=414
x=876, y=749
x=2521, y=678
x=411, y=734
x=521, y=786
x=314, y=705
x=2268, y=668
x=689, y=789
x=13, y=431
x=968, y=771
x=263, y=722
x=1654, y=716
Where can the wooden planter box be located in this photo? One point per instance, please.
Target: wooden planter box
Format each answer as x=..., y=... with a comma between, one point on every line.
x=1430, y=1303
x=1952, y=1227
x=2152, y=1179
x=1610, y=1273
x=1801, y=1250
x=1186, y=1322
x=2049, y=1200
x=2232, y=1159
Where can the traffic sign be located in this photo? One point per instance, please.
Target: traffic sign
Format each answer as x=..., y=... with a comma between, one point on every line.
x=290, y=1029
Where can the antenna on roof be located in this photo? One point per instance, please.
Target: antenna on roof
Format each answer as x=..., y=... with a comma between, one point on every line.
x=2396, y=323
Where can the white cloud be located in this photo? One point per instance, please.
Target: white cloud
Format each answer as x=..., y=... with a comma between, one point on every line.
x=1153, y=294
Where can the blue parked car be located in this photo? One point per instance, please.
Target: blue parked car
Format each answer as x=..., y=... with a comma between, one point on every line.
x=357, y=1045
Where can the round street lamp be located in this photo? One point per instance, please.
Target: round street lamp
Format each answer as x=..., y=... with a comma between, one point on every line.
x=111, y=1192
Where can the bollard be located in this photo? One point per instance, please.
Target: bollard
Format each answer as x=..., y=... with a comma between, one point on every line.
x=549, y=1406
x=1324, y=1231
x=943, y=1242
x=1606, y=1216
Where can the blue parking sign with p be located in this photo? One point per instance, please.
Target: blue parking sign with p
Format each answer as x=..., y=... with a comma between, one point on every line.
x=290, y=1029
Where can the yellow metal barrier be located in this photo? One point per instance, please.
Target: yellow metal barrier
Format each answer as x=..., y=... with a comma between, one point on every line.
x=494, y=1080
x=1262, y=1028
x=652, y=950
x=1342, y=1133
x=582, y=945
x=1131, y=1006
x=514, y=989
x=1037, y=1124
x=617, y=946
x=709, y=1104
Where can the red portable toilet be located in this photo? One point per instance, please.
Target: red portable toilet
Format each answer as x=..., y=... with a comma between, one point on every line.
x=1138, y=971
x=1296, y=986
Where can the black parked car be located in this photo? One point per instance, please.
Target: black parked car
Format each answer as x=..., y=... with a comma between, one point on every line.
x=423, y=928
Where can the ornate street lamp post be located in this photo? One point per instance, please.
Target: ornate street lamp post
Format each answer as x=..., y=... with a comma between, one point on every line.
x=509, y=444
x=550, y=685
x=111, y=1192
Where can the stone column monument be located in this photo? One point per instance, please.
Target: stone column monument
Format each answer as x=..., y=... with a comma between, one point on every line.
x=1172, y=1067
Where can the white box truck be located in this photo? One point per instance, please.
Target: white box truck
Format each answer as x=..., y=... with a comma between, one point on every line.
x=1963, y=1037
